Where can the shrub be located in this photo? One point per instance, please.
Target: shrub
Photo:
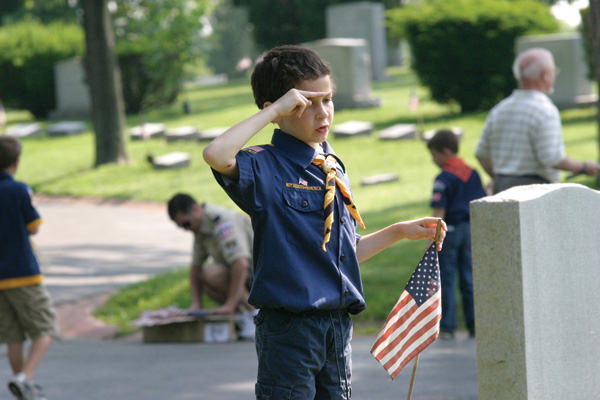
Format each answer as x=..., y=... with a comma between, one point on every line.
x=463, y=49
x=28, y=52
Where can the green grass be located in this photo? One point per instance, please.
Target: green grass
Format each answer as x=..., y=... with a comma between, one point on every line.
x=62, y=166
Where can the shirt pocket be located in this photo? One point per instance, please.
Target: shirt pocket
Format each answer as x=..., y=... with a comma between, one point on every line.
x=305, y=220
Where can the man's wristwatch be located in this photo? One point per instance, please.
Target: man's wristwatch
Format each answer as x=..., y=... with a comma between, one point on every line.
x=583, y=168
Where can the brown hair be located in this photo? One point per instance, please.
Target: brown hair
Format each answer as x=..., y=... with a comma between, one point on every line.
x=443, y=139
x=10, y=150
x=282, y=69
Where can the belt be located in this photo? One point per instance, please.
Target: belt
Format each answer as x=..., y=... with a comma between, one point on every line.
x=315, y=312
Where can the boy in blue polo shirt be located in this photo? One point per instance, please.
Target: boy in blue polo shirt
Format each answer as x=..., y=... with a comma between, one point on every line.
x=306, y=274
x=454, y=188
x=25, y=304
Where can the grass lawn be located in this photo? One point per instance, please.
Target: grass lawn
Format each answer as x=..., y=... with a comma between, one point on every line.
x=63, y=166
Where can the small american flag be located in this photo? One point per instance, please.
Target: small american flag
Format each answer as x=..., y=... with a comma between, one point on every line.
x=413, y=102
x=414, y=322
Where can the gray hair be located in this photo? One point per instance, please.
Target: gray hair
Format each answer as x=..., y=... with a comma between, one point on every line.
x=531, y=63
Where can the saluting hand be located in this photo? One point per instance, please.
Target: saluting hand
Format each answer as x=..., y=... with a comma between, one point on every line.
x=295, y=102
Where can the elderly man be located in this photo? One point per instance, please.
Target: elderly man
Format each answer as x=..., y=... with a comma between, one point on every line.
x=522, y=141
x=222, y=256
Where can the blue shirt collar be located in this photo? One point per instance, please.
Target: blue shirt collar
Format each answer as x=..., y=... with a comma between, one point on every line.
x=298, y=151
x=5, y=175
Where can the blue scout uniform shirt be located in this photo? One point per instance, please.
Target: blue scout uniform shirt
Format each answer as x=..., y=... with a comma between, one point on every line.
x=18, y=265
x=283, y=193
x=454, y=188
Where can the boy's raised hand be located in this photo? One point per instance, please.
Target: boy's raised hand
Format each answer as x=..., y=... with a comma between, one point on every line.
x=295, y=101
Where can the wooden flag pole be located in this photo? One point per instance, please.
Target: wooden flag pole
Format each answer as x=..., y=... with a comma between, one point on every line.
x=412, y=379
x=438, y=231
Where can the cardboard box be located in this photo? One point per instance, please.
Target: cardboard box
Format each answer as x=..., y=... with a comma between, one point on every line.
x=206, y=329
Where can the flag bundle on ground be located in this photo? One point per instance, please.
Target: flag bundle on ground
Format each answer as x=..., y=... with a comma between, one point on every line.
x=414, y=322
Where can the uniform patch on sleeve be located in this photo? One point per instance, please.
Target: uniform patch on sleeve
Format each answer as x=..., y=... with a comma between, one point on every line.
x=253, y=149
x=223, y=230
x=439, y=186
x=436, y=197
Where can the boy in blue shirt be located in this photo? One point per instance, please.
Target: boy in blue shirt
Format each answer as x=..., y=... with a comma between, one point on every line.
x=306, y=260
x=25, y=305
x=454, y=188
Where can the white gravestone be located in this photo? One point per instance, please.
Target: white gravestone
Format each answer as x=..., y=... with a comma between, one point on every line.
x=72, y=92
x=353, y=128
x=183, y=133
x=351, y=70
x=361, y=20
x=572, y=88
x=399, y=132
x=147, y=131
x=536, y=256
x=66, y=128
x=25, y=129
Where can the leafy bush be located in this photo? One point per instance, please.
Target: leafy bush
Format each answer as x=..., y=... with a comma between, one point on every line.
x=28, y=52
x=463, y=49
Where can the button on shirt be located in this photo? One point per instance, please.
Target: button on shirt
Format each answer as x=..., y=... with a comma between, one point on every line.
x=284, y=195
x=522, y=135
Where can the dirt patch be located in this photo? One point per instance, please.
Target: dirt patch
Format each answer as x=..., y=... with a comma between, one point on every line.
x=75, y=320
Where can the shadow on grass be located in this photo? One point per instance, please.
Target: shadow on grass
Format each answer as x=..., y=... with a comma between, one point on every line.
x=38, y=187
x=437, y=119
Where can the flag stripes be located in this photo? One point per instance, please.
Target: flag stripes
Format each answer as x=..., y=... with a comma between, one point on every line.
x=413, y=323
x=408, y=331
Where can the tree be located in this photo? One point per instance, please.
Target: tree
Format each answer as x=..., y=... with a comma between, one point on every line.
x=594, y=23
x=104, y=79
x=154, y=41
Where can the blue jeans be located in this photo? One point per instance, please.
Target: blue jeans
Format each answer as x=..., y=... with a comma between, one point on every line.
x=455, y=257
x=303, y=357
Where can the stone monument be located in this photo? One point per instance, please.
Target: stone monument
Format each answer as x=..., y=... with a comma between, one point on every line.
x=351, y=70
x=573, y=87
x=361, y=20
x=537, y=290
x=72, y=92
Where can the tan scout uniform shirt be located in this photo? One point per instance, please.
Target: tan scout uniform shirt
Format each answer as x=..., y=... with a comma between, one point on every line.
x=225, y=236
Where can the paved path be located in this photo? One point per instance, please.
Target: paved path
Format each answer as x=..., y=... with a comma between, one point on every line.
x=92, y=248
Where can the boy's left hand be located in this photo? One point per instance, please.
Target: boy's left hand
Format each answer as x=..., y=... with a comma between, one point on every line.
x=425, y=228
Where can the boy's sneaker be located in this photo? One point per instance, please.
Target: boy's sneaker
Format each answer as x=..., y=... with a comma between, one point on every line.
x=21, y=388
x=38, y=392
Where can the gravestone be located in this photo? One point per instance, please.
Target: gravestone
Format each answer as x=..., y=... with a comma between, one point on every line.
x=353, y=128
x=172, y=160
x=147, y=131
x=573, y=87
x=25, y=129
x=398, y=132
x=537, y=290
x=72, y=92
x=361, y=20
x=381, y=178
x=212, y=133
x=351, y=70
x=183, y=133
x=66, y=128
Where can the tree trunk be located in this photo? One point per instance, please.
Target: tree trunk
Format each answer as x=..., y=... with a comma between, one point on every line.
x=595, y=30
x=104, y=79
